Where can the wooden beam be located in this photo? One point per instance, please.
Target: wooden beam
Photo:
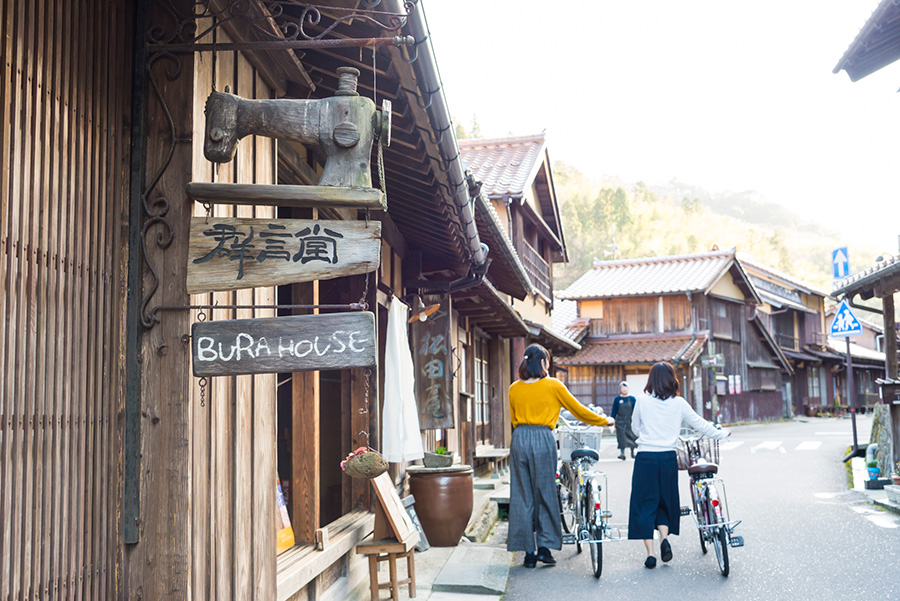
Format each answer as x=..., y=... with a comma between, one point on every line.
x=286, y=196
x=890, y=336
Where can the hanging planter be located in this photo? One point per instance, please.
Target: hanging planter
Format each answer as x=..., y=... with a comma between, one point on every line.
x=364, y=463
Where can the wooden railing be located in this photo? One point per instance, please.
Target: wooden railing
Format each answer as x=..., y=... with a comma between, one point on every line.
x=538, y=269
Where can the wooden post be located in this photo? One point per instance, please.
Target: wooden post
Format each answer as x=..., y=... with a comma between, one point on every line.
x=305, y=441
x=890, y=364
x=159, y=566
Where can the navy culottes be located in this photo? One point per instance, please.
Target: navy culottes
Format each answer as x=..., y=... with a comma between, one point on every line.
x=654, y=494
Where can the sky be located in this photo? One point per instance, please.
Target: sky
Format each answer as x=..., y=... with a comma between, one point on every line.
x=722, y=94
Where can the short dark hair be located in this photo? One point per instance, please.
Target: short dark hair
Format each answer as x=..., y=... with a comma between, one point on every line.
x=532, y=365
x=663, y=381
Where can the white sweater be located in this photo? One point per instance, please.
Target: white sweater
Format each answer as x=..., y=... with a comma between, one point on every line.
x=657, y=423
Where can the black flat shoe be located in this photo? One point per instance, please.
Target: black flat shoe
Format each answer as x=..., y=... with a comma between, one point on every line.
x=650, y=562
x=622, y=457
x=530, y=560
x=544, y=556
x=665, y=551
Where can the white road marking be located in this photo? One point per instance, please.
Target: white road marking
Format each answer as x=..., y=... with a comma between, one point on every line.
x=730, y=445
x=809, y=445
x=769, y=445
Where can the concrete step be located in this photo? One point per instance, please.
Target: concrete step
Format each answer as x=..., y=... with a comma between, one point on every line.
x=501, y=497
x=475, y=570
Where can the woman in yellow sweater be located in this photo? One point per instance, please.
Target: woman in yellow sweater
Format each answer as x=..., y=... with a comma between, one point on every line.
x=535, y=401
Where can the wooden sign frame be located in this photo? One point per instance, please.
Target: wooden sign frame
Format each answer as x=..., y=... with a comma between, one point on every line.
x=283, y=344
x=401, y=526
x=235, y=253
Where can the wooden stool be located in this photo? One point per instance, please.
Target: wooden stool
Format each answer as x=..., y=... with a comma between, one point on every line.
x=390, y=550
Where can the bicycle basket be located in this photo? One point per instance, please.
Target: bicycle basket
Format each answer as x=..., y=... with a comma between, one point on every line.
x=708, y=448
x=578, y=438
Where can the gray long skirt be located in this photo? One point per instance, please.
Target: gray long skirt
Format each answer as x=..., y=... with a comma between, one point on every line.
x=533, y=503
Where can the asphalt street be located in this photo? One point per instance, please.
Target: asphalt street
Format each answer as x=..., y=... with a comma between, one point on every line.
x=807, y=536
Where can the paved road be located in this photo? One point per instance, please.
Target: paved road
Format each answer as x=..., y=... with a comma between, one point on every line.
x=807, y=536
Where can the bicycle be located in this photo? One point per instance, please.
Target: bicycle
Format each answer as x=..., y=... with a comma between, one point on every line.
x=583, y=500
x=700, y=457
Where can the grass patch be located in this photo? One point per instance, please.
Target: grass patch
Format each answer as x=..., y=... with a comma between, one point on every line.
x=849, y=468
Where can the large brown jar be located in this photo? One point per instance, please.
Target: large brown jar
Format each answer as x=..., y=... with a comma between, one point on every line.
x=443, y=501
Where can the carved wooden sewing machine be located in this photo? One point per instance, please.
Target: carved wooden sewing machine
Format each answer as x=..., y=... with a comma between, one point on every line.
x=344, y=127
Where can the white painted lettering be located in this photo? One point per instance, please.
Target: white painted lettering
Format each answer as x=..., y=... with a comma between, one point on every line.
x=205, y=349
x=262, y=344
x=316, y=346
x=297, y=352
x=248, y=339
x=337, y=339
x=353, y=342
x=222, y=355
x=289, y=349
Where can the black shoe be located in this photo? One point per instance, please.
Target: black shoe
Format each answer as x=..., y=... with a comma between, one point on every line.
x=632, y=453
x=650, y=562
x=543, y=555
x=622, y=457
x=530, y=560
x=665, y=551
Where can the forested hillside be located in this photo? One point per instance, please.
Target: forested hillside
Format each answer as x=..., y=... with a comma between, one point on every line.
x=613, y=219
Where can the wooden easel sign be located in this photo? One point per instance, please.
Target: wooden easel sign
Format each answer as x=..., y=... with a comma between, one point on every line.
x=283, y=344
x=234, y=253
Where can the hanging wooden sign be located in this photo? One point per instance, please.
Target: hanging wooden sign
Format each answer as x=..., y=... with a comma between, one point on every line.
x=283, y=344
x=232, y=253
x=434, y=369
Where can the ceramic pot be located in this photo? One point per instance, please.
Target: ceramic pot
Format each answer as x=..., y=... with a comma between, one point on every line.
x=443, y=501
x=873, y=472
x=896, y=480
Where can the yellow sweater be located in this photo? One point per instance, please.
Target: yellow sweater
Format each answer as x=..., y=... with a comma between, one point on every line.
x=539, y=403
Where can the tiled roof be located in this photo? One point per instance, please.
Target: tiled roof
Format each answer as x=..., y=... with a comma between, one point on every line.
x=504, y=166
x=752, y=265
x=653, y=275
x=890, y=266
x=857, y=351
x=637, y=350
x=565, y=320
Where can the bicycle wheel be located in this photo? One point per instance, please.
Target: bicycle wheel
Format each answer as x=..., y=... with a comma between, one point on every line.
x=702, y=542
x=566, y=506
x=701, y=519
x=720, y=542
x=596, y=551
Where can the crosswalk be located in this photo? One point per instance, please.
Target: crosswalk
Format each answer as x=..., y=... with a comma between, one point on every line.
x=777, y=446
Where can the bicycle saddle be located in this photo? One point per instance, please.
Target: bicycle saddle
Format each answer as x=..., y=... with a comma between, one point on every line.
x=703, y=468
x=587, y=453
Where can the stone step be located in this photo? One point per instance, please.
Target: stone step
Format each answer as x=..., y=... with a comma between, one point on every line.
x=475, y=570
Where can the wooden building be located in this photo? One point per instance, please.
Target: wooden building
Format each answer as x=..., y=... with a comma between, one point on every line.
x=122, y=476
x=632, y=313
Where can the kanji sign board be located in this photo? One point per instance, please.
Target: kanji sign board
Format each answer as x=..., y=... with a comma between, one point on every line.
x=283, y=344
x=845, y=322
x=233, y=253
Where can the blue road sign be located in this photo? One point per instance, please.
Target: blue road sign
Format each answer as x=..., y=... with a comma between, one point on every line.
x=845, y=322
x=840, y=262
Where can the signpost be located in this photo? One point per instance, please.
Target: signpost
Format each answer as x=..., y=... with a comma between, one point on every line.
x=840, y=262
x=283, y=344
x=845, y=325
x=232, y=253
x=434, y=369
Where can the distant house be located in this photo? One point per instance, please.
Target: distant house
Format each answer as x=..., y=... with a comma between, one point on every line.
x=517, y=187
x=630, y=314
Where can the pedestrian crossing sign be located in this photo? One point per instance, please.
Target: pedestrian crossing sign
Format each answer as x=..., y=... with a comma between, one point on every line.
x=845, y=322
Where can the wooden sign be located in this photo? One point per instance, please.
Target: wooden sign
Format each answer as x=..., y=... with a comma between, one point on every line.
x=231, y=253
x=287, y=196
x=283, y=344
x=434, y=368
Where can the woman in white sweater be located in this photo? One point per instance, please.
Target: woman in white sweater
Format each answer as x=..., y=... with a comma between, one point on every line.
x=657, y=420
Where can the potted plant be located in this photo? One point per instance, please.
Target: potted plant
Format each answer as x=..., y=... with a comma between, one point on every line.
x=896, y=475
x=441, y=457
x=873, y=469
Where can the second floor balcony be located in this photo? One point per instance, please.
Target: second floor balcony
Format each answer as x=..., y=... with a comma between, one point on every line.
x=538, y=270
